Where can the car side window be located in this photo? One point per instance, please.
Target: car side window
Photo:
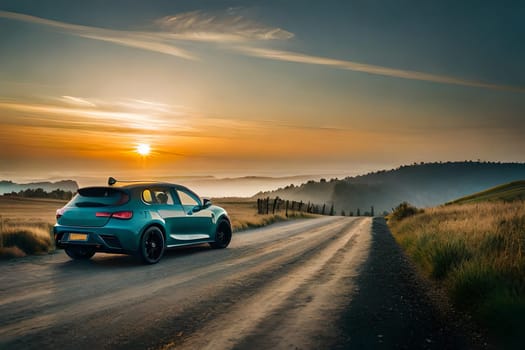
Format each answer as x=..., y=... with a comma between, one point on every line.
x=161, y=196
x=186, y=198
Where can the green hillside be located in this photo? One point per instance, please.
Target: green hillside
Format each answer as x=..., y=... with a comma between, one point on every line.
x=507, y=192
x=422, y=185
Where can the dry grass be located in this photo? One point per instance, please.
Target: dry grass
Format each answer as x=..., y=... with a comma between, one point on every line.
x=477, y=252
x=243, y=213
x=26, y=239
x=29, y=210
x=26, y=225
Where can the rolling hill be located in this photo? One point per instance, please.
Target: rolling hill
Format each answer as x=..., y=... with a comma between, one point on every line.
x=423, y=185
x=506, y=192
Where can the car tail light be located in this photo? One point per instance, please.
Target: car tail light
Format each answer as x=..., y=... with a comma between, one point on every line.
x=59, y=213
x=122, y=215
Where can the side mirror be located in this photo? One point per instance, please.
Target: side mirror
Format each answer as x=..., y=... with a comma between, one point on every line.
x=206, y=202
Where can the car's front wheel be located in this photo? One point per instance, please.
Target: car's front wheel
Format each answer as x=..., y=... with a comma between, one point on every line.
x=223, y=235
x=79, y=252
x=152, y=245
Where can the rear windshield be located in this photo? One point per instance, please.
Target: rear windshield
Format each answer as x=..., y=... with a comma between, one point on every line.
x=99, y=197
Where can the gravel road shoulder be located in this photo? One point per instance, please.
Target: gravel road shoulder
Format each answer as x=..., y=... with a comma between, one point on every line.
x=395, y=308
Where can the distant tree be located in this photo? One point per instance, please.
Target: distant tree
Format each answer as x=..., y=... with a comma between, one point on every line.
x=332, y=210
x=41, y=193
x=358, y=212
x=343, y=213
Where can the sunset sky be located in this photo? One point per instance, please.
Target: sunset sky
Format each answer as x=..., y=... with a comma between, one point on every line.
x=232, y=88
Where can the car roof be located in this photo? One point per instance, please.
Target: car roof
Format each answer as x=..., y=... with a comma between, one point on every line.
x=140, y=184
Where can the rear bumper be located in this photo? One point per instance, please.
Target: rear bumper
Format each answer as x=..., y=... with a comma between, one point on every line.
x=103, y=239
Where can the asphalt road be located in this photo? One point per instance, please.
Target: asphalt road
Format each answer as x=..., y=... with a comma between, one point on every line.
x=327, y=283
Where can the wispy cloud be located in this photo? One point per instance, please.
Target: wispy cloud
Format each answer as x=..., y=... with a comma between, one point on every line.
x=222, y=26
x=370, y=69
x=241, y=35
x=192, y=26
x=79, y=115
x=77, y=101
x=141, y=40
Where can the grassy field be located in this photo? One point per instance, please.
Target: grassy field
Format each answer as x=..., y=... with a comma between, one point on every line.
x=476, y=252
x=507, y=192
x=26, y=223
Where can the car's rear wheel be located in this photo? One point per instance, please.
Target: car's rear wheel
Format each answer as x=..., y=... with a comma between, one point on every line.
x=223, y=235
x=152, y=245
x=80, y=252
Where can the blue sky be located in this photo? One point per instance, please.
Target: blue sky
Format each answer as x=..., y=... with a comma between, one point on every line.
x=242, y=87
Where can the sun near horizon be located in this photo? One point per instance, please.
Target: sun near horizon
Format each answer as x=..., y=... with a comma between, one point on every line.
x=143, y=149
x=244, y=90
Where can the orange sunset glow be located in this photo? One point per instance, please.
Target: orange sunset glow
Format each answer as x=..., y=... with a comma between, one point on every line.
x=241, y=91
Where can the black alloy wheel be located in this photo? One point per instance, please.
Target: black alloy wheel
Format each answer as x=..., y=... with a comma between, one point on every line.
x=152, y=245
x=223, y=235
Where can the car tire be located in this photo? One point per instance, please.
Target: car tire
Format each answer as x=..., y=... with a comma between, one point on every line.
x=80, y=252
x=152, y=245
x=223, y=235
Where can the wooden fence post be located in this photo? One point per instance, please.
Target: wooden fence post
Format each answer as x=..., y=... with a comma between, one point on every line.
x=286, y=208
x=1, y=231
x=372, y=210
x=300, y=206
x=274, y=204
x=267, y=205
x=324, y=207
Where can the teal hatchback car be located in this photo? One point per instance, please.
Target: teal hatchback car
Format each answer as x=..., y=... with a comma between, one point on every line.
x=138, y=218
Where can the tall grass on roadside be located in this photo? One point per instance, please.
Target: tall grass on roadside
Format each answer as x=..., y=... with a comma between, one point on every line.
x=21, y=240
x=477, y=252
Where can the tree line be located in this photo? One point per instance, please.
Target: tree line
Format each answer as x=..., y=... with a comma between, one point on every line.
x=41, y=193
